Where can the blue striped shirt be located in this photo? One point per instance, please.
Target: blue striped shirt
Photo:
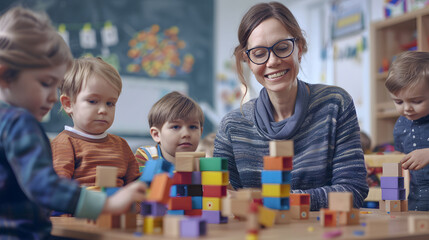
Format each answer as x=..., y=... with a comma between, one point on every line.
x=29, y=186
x=328, y=154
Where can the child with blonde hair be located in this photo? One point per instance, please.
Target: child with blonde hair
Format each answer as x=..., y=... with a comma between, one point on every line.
x=89, y=94
x=33, y=61
x=408, y=84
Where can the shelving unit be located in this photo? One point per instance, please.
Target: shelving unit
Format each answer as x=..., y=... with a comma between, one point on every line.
x=389, y=38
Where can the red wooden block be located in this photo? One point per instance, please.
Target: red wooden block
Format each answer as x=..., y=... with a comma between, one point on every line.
x=182, y=178
x=214, y=191
x=194, y=212
x=180, y=203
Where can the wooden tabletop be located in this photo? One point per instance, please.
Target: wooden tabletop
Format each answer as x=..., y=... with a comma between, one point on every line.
x=397, y=228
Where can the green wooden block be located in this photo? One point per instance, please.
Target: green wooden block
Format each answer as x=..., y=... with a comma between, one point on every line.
x=213, y=164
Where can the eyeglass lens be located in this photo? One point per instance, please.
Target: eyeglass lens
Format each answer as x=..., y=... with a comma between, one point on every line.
x=281, y=49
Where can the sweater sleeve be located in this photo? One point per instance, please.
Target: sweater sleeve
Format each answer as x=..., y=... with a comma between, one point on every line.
x=223, y=148
x=63, y=156
x=133, y=172
x=348, y=167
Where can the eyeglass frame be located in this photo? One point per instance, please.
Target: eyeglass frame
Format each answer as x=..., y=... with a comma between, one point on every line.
x=270, y=49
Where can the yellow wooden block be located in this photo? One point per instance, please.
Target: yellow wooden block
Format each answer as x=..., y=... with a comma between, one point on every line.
x=266, y=216
x=211, y=203
x=276, y=190
x=214, y=178
x=251, y=236
x=152, y=225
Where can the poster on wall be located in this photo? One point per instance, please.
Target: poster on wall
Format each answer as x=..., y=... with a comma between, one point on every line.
x=347, y=17
x=167, y=44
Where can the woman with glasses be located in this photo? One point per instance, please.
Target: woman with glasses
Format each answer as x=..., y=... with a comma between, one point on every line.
x=321, y=120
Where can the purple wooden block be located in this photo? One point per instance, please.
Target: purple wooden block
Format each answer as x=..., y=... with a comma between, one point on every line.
x=393, y=194
x=213, y=217
x=196, y=178
x=193, y=227
x=392, y=182
x=153, y=209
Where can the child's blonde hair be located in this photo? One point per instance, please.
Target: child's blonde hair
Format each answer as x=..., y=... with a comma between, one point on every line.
x=85, y=68
x=408, y=70
x=174, y=106
x=29, y=41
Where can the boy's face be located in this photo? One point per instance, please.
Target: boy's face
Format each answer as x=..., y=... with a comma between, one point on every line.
x=413, y=103
x=177, y=136
x=34, y=89
x=93, y=111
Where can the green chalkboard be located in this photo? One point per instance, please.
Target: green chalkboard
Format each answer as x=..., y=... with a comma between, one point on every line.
x=165, y=41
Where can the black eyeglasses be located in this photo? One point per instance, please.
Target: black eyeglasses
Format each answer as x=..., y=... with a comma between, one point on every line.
x=282, y=49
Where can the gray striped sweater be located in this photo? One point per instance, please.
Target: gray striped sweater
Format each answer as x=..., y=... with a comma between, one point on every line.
x=328, y=154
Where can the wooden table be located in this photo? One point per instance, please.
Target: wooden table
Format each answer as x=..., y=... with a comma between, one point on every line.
x=297, y=229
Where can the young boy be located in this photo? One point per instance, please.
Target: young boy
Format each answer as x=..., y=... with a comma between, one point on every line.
x=33, y=60
x=176, y=124
x=408, y=84
x=88, y=95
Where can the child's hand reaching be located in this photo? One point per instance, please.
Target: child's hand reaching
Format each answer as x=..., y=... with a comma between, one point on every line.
x=121, y=201
x=416, y=159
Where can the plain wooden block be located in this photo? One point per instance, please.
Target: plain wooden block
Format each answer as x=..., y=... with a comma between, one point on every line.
x=281, y=148
x=188, y=161
x=300, y=211
x=404, y=205
x=283, y=216
x=393, y=205
x=172, y=224
x=240, y=207
x=340, y=201
x=108, y=221
x=349, y=218
x=377, y=227
x=392, y=170
x=225, y=205
x=128, y=220
x=105, y=176
x=252, y=221
x=248, y=193
x=382, y=205
x=418, y=223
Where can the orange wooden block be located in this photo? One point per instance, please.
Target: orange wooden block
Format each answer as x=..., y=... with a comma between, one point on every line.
x=278, y=163
x=299, y=199
x=160, y=188
x=328, y=218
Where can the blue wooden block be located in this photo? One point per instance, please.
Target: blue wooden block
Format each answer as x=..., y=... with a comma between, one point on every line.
x=276, y=177
x=393, y=194
x=392, y=182
x=197, y=202
x=179, y=190
x=276, y=203
x=110, y=190
x=176, y=212
x=154, y=167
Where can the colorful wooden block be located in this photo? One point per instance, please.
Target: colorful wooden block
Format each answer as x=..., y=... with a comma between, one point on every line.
x=106, y=176
x=392, y=182
x=211, y=203
x=154, y=167
x=155, y=209
x=281, y=148
x=110, y=190
x=195, y=190
x=194, y=212
x=197, y=202
x=214, y=178
x=300, y=211
x=180, y=190
x=266, y=216
x=276, y=190
x=392, y=170
x=349, y=218
x=172, y=224
x=213, y=164
x=213, y=217
x=276, y=203
x=182, y=178
x=278, y=163
x=275, y=176
x=180, y=203
x=193, y=227
x=175, y=212
x=160, y=188
x=340, y=201
x=196, y=178
x=393, y=194
x=328, y=218
x=214, y=191
x=152, y=225
x=299, y=199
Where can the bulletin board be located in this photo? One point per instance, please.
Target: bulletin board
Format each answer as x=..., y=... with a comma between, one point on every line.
x=157, y=47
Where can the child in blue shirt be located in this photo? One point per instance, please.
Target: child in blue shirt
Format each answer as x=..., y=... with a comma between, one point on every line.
x=33, y=61
x=408, y=84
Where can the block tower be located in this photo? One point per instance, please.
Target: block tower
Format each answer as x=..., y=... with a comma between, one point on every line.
x=214, y=179
x=340, y=210
x=392, y=189
x=276, y=175
x=186, y=192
